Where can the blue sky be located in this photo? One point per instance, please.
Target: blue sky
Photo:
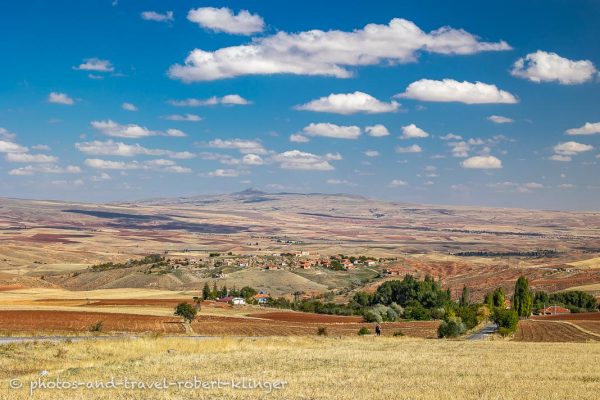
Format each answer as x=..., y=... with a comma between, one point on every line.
x=493, y=105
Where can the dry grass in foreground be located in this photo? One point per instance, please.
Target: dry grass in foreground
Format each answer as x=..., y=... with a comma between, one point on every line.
x=315, y=368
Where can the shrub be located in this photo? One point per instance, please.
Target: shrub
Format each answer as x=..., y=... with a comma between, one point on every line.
x=372, y=316
x=322, y=331
x=507, y=320
x=364, y=331
x=391, y=315
x=186, y=311
x=398, y=309
x=398, y=333
x=97, y=327
x=451, y=328
x=417, y=313
x=438, y=313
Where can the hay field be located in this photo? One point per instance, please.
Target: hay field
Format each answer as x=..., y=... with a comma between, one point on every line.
x=313, y=368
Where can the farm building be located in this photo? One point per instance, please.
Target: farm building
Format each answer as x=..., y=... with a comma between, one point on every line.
x=261, y=297
x=238, y=301
x=555, y=310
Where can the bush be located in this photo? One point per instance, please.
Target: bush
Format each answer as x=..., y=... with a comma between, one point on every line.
x=507, y=320
x=418, y=313
x=322, y=331
x=438, y=313
x=186, y=311
x=364, y=331
x=97, y=327
x=372, y=316
x=452, y=328
x=398, y=333
x=398, y=309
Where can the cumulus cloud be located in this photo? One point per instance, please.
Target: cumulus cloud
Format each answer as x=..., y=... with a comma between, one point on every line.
x=415, y=148
x=101, y=177
x=252, y=159
x=413, y=132
x=120, y=149
x=332, y=131
x=396, y=183
x=224, y=20
x=498, y=119
x=351, y=103
x=129, y=107
x=156, y=165
x=224, y=173
x=185, y=117
x=60, y=98
x=298, y=138
x=230, y=99
x=482, y=162
x=299, y=160
x=41, y=147
x=587, y=129
x=44, y=169
x=31, y=158
x=328, y=53
x=340, y=182
x=96, y=65
x=167, y=16
x=5, y=134
x=564, y=151
x=449, y=90
x=460, y=149
x=451, y=136
x=11, y=147
x=377, y=130
x=372, y=153
x=542, y=66
x=242, y=145
x=131, y=131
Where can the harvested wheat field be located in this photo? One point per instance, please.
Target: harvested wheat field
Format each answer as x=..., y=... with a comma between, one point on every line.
x=322, y=368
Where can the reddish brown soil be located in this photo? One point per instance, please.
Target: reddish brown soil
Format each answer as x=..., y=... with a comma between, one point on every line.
x=547, y=331
x=61, y=321
x=212, y=325
x=305, y=317
x=6, y=288
x=589, y=316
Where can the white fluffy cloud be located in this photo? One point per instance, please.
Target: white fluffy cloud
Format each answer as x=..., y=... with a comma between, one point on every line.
x=542, y=66
x=451, y=136
x=11, y=147
x=350, y=103
x=482, y=162
x=230, y=100
x=412, y=132
x=332, y=131
x=396, y=183
x=328, y=53
x=372, y=153
x=129, y=107
x=414, y=148
x=44, y=169
x=242, y=145
x=252, y=159
x=167, y=16
x=299, y=160
x=185, y=117
x=377, y=130
x=460, y=149
x=498, y=119
x=155, y=165
x=224, y=20
x=31, y=158
x=564, y=151
x=131, y=131
x=5, y=134
x=224, y=173
x=60, y=98
x=587, y=129
x=298, y=138
x=449, y=90
x=96, y=65
x=110, y=148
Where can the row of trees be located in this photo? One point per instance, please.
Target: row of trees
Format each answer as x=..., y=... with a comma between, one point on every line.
x=246, y=292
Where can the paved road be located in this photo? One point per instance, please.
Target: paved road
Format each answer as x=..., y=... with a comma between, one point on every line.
x=487, y=330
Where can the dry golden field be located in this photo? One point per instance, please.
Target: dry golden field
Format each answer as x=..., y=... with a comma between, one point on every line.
x=312, y=368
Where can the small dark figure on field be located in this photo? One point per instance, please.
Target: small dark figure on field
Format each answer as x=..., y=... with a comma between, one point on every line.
x=378, y=330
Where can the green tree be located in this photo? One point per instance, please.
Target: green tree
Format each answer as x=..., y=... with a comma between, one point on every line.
x=488, y=300
x=214, y=292
x=206, y=291
x=522, y=298
x=186, y=311
x=499, y=297
x=464, y=297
